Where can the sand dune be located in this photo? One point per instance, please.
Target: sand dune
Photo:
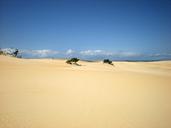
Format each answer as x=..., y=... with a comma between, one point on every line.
x=47, y=93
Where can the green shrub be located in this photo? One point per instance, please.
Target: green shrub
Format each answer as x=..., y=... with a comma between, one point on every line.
x=68, y=62
x=107, y=61
x=1, y=52
x=72, y=60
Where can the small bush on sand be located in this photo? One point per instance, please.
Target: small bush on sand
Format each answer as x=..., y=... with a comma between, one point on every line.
x=107, y=61
x=1, y=52
x=72, y=60
x=68, y=62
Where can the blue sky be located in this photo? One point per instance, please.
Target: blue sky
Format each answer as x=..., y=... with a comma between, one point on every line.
x=100, y=27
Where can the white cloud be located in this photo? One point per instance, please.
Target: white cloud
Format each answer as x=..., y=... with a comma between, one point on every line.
x=88, y=54
x=107, y=53
x=70, y=51
x=8, y=50
x=94, y=52
x=40, y=53
x=126, y=54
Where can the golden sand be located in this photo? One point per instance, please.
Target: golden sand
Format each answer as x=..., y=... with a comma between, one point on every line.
x=47, y=93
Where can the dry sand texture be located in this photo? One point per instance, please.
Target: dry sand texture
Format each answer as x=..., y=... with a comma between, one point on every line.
x=46, y=93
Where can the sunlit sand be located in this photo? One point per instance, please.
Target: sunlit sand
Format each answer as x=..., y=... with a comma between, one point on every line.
x=48, y=93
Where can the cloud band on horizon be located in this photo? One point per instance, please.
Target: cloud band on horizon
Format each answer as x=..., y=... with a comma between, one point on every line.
x=90, y=54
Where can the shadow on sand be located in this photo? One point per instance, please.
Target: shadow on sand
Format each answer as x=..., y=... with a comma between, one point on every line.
x=76, y=64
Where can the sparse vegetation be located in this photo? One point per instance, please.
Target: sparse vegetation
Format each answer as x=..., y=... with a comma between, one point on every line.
x=1, y=52
x=15, y=53
x=107, y=61
x=68, y=62
x=11, y=52
x=72, y=61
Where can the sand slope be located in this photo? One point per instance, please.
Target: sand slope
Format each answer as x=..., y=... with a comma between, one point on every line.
x=46, y=93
